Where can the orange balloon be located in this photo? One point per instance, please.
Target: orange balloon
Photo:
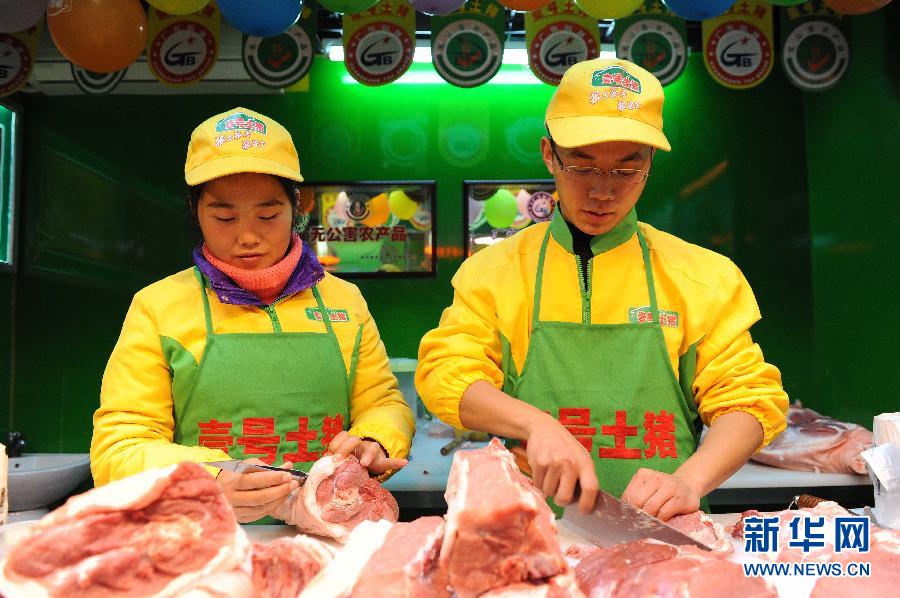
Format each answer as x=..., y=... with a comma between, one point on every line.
x=102, y=36
x=524, y=4
x=855, y=7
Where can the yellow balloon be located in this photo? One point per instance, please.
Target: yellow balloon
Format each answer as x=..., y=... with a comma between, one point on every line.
x=401, y=205
x=379, y=210
x=608, y=9
x=178, y=7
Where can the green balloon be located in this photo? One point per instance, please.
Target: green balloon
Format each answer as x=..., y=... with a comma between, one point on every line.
x=501, y=209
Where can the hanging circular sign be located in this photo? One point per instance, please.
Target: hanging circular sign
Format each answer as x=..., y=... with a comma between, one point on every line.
x=15, y=64
x=540, y=206
x=278, y=61
x=739, y=53
x=379, y=53
x=96, y=83
x=182, y=53
x=468, y=53
x=815, y=55
x=558, y=46
x=656, y=46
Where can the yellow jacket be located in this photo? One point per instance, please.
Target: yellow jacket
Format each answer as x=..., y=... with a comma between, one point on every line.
x=706, y=303
x=134, y=426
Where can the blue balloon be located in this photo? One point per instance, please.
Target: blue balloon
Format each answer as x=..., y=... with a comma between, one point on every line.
x=261, y=19
x=698, y=10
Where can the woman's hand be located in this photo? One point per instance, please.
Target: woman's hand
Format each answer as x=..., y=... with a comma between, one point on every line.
x=558, y=462
x=254, y=495
x=662, y=495
x=370, y=454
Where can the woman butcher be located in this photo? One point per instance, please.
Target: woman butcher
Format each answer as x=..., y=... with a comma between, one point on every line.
x=254, y=352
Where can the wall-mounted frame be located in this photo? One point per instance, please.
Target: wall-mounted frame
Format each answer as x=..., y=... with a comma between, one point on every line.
x=10, y=156
x=496, y=209
x=373, y=229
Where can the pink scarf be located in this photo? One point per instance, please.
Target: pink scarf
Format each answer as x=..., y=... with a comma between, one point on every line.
x=268, y=283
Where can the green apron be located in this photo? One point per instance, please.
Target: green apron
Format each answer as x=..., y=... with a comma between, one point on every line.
x=611, y=385
x=273, y=396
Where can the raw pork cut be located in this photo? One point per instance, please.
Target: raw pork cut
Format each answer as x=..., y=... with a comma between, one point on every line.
x=406, y=565
x=499, y=529
x=814, y=442
x=700, y=527
x=653, y=568
x=155, y=533
x=337, y=496
x=561, y=586
x=337, y=579
x=883, y=554
x=283, y=567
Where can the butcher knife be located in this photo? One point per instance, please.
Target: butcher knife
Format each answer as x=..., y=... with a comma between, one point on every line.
x=237, y=466
x=612, y=521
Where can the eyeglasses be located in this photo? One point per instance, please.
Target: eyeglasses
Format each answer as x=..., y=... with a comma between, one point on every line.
x=624, y=176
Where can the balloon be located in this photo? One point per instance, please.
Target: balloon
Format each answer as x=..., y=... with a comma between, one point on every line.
x=524, y=4
x=347, y=6
x=401, y=205
x=437, y=7
x=178, y=7
x=100, y=35
x=339, y=216
x=379, y=210
x=698, y=10
x=855, y=7
x=522, y=220
x=501, y=209
x=19, y=15
x=786, y=2
x=251, y=18
x=608, y=9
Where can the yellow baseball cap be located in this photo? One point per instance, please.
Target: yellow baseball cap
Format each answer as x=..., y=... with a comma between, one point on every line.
x=607, y=100
x=240, y=140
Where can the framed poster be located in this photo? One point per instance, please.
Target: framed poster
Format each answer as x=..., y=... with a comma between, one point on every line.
x=495, y=210
x=10, y=149
x=372, y=229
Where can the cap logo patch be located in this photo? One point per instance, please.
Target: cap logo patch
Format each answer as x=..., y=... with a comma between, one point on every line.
x=616, y=76
x=241, y=121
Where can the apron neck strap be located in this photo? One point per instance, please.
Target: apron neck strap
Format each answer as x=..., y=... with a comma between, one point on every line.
x=326, y=319
x=648, y=272
x=536, y=310
x=206, y=312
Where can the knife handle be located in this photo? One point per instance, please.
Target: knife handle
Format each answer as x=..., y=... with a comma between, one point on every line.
x=521, y=456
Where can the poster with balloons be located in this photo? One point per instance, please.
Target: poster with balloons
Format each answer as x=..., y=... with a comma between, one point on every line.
x=556, y=37
x=19, y=51
x=373, y=229
x=102, y=36
x=467, y=45
x=738, y=46
x=654, y=38
x=183, y=48
x=815, y=47
x=495, y=210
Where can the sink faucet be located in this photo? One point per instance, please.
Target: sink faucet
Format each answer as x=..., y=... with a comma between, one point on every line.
x=15, y=444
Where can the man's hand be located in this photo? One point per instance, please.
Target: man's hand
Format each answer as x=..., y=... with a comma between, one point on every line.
x=558, y=462
x=256, y=494
x=662, y=495
x=370, y=454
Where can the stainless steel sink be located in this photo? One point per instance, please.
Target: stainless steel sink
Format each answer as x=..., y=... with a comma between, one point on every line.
x=37, y=480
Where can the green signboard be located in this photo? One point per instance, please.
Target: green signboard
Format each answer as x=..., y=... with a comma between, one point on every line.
x=8, y=154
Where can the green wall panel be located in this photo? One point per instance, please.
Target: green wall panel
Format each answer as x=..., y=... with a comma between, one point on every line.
x=852, y=139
